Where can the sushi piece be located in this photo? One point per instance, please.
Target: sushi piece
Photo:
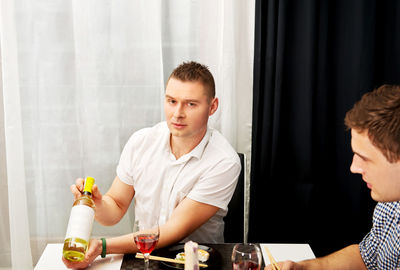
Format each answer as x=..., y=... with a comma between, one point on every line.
x=202, y=255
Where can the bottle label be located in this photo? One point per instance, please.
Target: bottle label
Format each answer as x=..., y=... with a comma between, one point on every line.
x=80, y=222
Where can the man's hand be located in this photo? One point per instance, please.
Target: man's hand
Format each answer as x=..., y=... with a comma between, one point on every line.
x=77, y=190
x=94, y=250
x=286, y=265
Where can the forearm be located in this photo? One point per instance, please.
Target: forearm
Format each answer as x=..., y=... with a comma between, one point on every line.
x=125, y=243
x=121, y=244
x=108, y=212
x=171, y=233
x=348, y=258
x=186, y=218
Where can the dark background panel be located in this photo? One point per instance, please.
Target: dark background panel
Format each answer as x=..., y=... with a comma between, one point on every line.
x=313, y=60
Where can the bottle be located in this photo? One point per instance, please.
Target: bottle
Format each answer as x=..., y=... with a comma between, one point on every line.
x=80, y=224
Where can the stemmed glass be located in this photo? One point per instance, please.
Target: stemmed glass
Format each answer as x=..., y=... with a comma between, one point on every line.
x=146, y=237
x=246, y=257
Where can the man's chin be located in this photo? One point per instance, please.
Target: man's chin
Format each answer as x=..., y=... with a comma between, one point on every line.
x=382, y=199
x=176, y=133
x=375, y=197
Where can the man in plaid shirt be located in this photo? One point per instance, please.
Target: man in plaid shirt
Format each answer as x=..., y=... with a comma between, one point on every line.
x=375, y=139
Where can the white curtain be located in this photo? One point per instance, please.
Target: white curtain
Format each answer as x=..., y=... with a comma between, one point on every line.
x=80, y=76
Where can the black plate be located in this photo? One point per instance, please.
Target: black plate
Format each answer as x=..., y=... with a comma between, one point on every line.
x=214, y=260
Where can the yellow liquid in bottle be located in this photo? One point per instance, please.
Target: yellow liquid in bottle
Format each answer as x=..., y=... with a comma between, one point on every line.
x=75, y=249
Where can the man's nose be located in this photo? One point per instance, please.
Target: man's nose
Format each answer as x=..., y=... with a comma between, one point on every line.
x=179, y=111
x=355, y=165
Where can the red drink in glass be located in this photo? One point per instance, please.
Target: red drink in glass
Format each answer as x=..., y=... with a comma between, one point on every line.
x=146, y=242
x=245, y=265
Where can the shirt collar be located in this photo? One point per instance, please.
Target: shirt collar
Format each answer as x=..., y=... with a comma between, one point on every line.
x=199, y=149
x=197, y=152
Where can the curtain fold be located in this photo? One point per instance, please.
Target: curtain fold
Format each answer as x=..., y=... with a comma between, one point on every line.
x=14, y=181
x=90, y=74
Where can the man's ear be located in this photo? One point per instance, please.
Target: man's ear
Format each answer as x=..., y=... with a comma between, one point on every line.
x=213, y=106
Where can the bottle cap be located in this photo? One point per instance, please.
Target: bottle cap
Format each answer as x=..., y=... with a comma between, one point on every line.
x=89, y=181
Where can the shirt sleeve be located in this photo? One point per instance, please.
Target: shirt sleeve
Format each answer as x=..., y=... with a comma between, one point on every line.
x=217, y=185
x=125, y=169
x=369, y=246
x=368, y=250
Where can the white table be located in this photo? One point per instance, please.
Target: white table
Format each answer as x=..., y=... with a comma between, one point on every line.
x=283, y=252
x=51, y=256
x=51, y=259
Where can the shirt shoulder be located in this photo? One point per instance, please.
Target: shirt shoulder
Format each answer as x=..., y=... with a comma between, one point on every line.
x=220, y=145
x=385, y=211
x=136, y=151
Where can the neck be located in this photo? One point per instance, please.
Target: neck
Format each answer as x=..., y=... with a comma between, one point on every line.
x=181, y=146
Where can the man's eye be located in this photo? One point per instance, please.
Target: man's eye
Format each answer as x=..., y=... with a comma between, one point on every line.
x=191, y=104
x=171, y=101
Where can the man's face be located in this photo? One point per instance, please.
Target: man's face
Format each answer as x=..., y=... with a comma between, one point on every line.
x=187, y=109
x=381, y=176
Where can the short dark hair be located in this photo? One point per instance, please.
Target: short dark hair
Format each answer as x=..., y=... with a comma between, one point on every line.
x=193, y=72
x=378, y=113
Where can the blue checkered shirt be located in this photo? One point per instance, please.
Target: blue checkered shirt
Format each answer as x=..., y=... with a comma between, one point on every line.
x=380, y=248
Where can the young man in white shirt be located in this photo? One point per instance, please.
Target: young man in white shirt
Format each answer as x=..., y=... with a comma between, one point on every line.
x=375, y=139
x=181, y=171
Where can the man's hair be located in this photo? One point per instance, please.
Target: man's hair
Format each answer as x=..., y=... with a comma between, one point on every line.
x=195, y=72
x=378, y=113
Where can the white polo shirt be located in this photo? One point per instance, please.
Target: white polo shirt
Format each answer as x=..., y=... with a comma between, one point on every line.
x=208, y=174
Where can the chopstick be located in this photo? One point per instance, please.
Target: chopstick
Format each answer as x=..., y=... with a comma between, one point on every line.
x=164, y=259
x=274, y=264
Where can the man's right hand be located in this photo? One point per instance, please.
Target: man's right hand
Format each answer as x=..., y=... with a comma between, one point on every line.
x=77, y=190
x=94, y=250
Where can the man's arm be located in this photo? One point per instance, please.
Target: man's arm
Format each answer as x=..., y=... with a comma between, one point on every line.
x=185, y=219
x=114, y=204
x=348, y=258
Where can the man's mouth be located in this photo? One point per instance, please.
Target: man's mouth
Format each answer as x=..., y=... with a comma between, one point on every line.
x=178, y=125
x=368, y=184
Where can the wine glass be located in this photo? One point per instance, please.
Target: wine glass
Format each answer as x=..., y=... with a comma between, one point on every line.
x=146, y=237
x=246, y=257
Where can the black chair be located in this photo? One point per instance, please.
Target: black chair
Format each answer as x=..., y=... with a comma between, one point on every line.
x=236, y=221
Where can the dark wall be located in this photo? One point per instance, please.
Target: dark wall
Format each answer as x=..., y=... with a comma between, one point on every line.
x=313, y=60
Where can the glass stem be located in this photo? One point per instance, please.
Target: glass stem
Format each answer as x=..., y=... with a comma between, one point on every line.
x=146, y=260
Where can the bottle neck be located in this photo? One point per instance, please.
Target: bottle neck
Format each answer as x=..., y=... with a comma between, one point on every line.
x=87, y=193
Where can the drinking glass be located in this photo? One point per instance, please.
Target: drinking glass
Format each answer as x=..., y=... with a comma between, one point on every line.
x=146, y=237
x=246, y=257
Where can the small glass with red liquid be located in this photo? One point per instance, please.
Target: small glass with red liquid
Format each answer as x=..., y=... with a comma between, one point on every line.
x=146, y=239
x=246, y=257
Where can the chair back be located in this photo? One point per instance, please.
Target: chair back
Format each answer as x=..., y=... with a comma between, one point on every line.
x=236, y=220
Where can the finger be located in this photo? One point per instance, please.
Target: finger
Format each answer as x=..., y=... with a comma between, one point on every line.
x=75, y=189
x=287, y=265
x=280, y=264
x=75, y=265
x=94, y=250
x=96, y=194
x=79, y=182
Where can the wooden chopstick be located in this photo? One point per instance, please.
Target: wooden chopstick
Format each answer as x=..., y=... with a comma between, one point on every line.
x=164, y=259
x=274, y=264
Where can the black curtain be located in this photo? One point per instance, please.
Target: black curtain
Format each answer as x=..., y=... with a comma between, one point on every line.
x=313, y=60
